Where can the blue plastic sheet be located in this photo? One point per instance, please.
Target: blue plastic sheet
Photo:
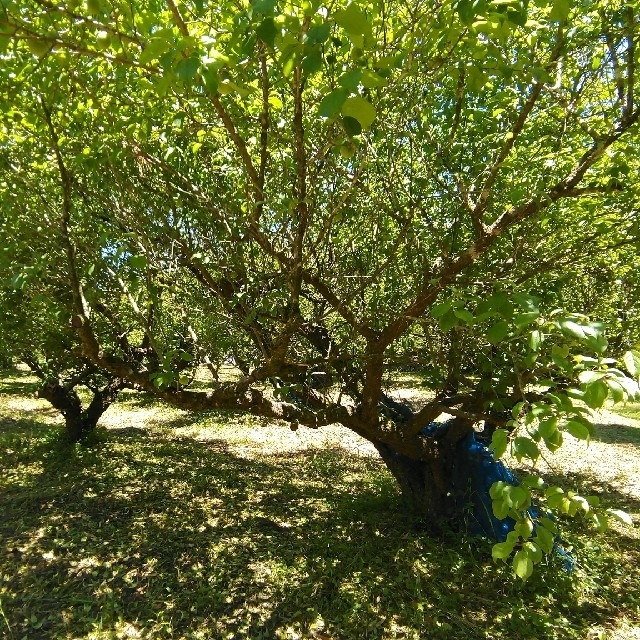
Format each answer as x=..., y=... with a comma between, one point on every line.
x=475, y=470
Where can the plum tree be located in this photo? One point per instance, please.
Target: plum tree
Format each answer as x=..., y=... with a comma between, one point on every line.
x=328, y=193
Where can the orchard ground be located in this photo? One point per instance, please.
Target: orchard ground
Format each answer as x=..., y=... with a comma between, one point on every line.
x=175, y=525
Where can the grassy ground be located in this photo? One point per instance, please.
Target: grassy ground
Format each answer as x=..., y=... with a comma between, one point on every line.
x=218, y=526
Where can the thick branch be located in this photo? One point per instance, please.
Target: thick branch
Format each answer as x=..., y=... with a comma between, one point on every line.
x=241, y=146
x=178, y=18
x=80, y=304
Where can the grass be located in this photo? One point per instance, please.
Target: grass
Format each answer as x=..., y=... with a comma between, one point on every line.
x=631, y=410
x=171, y=525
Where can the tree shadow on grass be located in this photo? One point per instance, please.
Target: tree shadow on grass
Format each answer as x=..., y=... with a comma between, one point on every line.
x=15, y=382
x=130, y=400
x=618, y=433
x=177, y=537
x=12, y=429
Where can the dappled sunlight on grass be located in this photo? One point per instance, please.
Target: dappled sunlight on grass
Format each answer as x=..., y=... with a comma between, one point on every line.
x=629, y=410
x=241, y=529
x=608, y=466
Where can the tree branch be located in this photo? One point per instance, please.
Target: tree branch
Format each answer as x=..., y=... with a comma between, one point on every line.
x=512, y=137
x=178, y=18
x=79, y=302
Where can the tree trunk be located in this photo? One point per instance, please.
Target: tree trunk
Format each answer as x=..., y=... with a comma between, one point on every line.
x=431, y=487
x=79, y=422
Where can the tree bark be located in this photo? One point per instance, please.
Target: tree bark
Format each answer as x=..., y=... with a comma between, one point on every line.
x=429, y=485
x=79, y=422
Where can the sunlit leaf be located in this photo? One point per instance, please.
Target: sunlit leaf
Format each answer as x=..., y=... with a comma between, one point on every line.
x=360, y=109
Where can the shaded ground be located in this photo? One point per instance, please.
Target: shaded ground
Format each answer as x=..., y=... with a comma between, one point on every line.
x=219, y=526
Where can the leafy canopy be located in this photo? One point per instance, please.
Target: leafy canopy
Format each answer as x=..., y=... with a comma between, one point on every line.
x=327, y=192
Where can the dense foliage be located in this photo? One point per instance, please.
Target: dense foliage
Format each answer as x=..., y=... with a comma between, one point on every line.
x=323, y=194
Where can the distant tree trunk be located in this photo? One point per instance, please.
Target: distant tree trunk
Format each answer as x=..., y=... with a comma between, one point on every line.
x=79, y=422
x=430, y=486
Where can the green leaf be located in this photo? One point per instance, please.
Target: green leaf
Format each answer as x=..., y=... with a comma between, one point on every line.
x=332, y=103
x=318, y=34
x=497, y=489
x=535, y=339
x=500, y=509
x=538, y=410
x=210, y=79
x=501, y=303
x=578, y=430
x=554, y=441
x=561, y=351
x=525, y=448
x=267, y=31
x=138, y=262
x=629, y=385
x=517, y=17
x=498, y=332
x=524, y=528
x=601, y=521
x=519, y=497
x=595, y=393
x=187, y=67
x=464, y=315
x=547, y=427
x=350, y=80
x=499, y=442
x=533, y=550
x=439, y=310
x=631, y=361
x=578, y=502
x=360, y=109
x=372, y=80
x=523, y=319
x=527, y=302
x=560, y=503
x=448, y=321
x=544, y=538
x=158, y=45
x=467, y=11
x=586, y=377
x=353, y=20
x=571, y=328
x=616, y=390
x=501, y=550
x=598, y=343
x=560, y=10
x=522, y=565
x=263, y=6
x=312, y=62
x=351, y=126
x=288, y=60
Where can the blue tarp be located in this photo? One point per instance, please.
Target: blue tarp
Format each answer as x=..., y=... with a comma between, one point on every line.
x=475, y=470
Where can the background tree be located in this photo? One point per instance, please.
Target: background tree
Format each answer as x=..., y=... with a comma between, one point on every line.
x=324, y=191
x=36, y=310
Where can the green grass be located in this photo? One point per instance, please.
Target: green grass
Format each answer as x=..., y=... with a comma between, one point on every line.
x=187, y=528
x=630, y=410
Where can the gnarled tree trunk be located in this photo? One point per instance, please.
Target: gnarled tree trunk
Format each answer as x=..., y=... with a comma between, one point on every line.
x=431, y=486
x=79, y=421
